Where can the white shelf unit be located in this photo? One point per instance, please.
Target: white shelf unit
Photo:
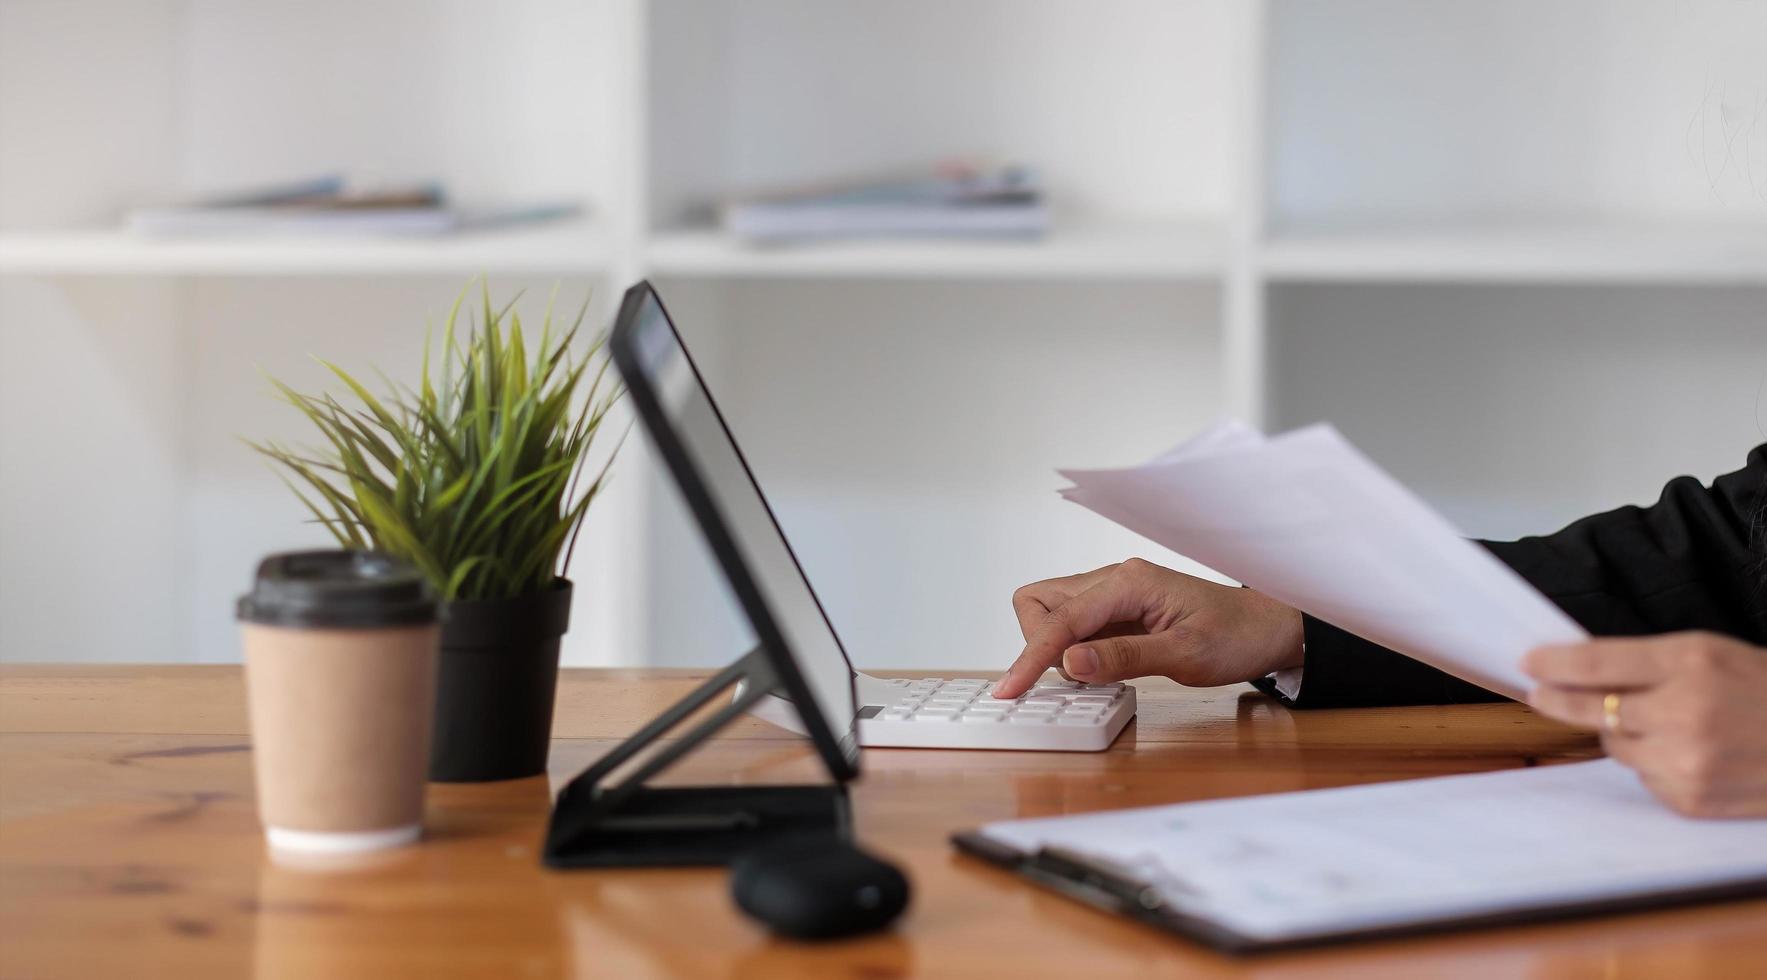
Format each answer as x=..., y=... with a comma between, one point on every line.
x=566, y=248
x=131, y=366
x=1619, y=253
x=1510, y=248
x=1152, y=251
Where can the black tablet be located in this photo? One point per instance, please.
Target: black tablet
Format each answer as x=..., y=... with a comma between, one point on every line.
x=690, y=433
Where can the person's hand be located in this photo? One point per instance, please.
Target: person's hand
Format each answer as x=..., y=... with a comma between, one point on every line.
x=1692, y=716
x=1135, y=618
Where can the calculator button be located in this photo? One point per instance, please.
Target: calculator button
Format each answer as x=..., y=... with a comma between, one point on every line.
x=1035, y=718
x=1077, y=720
x=990, y=707
x=980, y=717
x=897, y=714
x=1036, y=709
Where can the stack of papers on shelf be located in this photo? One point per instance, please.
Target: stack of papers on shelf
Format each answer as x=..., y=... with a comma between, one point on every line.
x=331, y=205
x=955, y=201
x=1306, y=518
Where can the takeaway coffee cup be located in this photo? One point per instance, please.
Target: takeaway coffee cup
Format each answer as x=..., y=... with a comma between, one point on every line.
x=340, y=655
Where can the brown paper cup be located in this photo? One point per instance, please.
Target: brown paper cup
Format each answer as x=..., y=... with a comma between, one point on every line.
x=340, y=724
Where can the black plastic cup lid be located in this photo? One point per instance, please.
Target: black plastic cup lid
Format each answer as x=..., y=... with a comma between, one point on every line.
x=338, y=589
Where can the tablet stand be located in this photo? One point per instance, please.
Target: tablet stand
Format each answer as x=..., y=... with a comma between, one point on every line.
x=630, y=824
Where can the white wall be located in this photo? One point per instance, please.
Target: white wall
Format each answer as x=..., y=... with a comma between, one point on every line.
x=90, y=475
x=1507, y=110
x=906, y=435
x=487, y=98
x=1123, y=106
x=88, y=111
x=1518, y=409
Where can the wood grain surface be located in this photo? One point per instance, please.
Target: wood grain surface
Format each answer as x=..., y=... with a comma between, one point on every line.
x=129, y=846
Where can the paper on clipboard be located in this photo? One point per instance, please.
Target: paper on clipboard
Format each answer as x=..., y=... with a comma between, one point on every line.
x=1308, y=519
x=1287, y=868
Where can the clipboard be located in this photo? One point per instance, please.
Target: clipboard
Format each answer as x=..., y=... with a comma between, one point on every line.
x=1112, y=890
x=1727, y=860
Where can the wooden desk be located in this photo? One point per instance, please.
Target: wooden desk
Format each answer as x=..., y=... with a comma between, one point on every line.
x=129, y=846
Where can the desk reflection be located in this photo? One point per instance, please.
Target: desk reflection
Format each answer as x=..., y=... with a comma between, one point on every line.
x=444, y=907
x=668, y=923
x=1625, y=947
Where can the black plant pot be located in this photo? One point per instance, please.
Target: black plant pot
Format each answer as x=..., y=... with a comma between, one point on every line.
x=498, y=676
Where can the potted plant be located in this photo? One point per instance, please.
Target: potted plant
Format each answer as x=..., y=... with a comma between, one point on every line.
x=477, y=477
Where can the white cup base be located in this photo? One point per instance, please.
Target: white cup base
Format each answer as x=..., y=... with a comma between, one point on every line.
x=340, y=842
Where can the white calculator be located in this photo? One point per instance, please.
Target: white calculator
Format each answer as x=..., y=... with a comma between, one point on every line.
x=933, y=713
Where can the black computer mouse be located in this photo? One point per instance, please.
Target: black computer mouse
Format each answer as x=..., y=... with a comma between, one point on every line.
x=817, y=887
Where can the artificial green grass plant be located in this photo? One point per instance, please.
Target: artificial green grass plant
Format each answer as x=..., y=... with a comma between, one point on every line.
x=476, y=477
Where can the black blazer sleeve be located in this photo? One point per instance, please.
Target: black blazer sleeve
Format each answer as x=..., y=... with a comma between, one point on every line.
x=1693, y=560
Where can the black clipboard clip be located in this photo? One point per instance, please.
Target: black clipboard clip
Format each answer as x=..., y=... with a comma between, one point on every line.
x=1098, y=880
x=1159, y=900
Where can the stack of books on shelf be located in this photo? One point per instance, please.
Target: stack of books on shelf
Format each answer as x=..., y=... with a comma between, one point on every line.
x=951, y=201
x=331, y=205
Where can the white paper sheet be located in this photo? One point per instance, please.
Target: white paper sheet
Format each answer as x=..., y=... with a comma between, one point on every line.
x=1315, y=863
x=1306, y=518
